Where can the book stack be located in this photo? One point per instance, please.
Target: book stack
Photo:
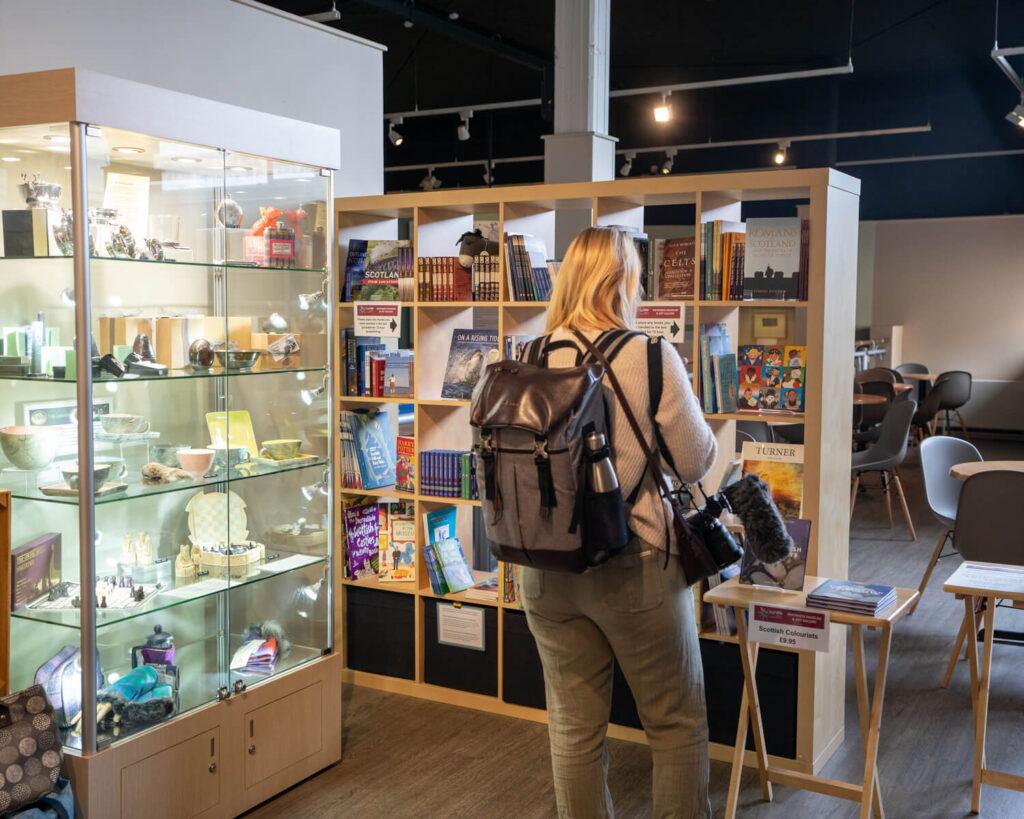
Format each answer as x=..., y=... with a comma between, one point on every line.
x=771, y=377
x=446, y=563
x=447, y=473
x=848, y=595
x=529, y=276
x=367, y=449
x=486, y=278
x=442, y=278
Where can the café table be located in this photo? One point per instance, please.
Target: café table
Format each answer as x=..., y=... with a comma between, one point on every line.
x=902, y=387
x=963, y=471
x=868, y=793
x=920, y=376
x=861, y=399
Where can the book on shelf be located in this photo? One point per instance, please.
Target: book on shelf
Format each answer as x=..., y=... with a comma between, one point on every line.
x=405, y=464
x=508, y=574
x=448, y=473
x=397, y=558
x=781, y=466
x=748, y=392
x=486, y=278
x=443, y=278
x=676, y=271
x=529, y=275
x=439, y=523
x=362, y=539
x=771, y=265
x=368, y=449
x=469, y=353
x=390, y=372
x=355, y=264
x=850, y=596
x=720, y=619
x=514, y=346
x=486, y=589
x=723, y=368
x=386, y=273
x=714, y=341
x=787, y=574
x=765, y=383
x=452, y=570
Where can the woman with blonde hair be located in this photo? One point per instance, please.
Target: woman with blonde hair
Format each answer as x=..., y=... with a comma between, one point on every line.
x=637, y=609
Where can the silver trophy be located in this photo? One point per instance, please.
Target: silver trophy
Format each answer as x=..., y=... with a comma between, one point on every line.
x=39, y=194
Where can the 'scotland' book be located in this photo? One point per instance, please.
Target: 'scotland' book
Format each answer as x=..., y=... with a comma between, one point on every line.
x=786, y=574
x=375, y=448
x=382, y=274
x=781, y=466
x=470, y=352
x=771, y=261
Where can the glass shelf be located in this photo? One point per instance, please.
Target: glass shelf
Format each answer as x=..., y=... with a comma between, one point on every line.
x=164, y=263
x=139, y=490
x=172, y=375
x=180, y=591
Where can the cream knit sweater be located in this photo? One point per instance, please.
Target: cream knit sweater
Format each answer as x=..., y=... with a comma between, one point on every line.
x=687, y=435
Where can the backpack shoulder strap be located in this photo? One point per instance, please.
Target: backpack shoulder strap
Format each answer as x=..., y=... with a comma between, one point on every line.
x=655, y=383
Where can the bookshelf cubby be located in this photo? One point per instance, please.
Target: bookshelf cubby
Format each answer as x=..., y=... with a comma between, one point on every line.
x=806, y=691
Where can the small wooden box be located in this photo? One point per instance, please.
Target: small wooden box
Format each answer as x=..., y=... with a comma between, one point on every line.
x=123, y=330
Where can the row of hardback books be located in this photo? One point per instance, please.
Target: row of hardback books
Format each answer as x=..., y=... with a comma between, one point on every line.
x=448, y=473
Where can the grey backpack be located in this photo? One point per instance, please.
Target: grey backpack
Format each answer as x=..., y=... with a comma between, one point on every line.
x=529, y=424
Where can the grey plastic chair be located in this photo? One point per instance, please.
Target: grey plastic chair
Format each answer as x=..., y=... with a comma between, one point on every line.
x=911, y=368
x=957, y=392
x=938, y=455
x=885, y=456
x=987, y=529
x=760, y=431
x=929, y=408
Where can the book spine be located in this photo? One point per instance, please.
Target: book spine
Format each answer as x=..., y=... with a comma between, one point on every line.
x=464, y=475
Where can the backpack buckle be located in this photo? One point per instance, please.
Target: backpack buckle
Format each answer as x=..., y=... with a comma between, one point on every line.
x=540, y=449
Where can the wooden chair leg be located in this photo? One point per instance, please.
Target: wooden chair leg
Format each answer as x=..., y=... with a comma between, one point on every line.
x=903, y=502
x=954, y=658
x=928, y=571
x=886, y=487
x=853, y=495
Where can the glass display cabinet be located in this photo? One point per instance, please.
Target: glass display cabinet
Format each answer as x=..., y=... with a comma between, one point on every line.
x=165, y=422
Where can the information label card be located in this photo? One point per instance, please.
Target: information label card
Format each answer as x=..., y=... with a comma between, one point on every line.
x=378, y=318
x=788, y=627
x=460, y=626
x=662, y=318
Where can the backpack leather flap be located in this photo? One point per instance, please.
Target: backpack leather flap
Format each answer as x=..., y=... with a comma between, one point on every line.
x=531, y=398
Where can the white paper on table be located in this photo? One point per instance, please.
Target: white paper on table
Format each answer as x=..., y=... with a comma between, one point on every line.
x=991, y=577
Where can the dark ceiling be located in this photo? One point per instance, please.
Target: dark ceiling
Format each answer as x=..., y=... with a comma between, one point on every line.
x=915, y=62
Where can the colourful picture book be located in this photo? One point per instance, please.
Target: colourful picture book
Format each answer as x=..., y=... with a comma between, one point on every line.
x=362, y=539
x=781, y=466
x=470, y=352
x=768, y=397
x=383, y=271
x=795, y=356
x=405, y=463
x=771, y=265
x=750, y=355
x=786, y=574
x=675, y=276
x=772, y=356
x=397, y=559
x=440, y=523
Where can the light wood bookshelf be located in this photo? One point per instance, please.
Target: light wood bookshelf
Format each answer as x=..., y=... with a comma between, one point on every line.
x=824, y=322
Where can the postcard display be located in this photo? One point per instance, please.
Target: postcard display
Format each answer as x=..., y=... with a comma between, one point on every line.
x=208, y=580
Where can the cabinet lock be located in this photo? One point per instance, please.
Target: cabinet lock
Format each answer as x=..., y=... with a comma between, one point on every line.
x=223, y=693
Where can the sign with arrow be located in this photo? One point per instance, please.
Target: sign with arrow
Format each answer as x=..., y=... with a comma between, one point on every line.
x=662, y=318
x=378, y=318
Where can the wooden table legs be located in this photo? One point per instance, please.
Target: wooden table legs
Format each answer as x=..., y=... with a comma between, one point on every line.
x=868, y=793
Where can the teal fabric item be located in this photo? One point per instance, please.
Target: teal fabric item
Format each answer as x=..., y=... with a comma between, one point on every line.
x=132, y=685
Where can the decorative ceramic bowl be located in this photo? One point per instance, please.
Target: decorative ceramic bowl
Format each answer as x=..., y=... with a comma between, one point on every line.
x=166, y=454
x=281, y=449
x=196, y=461
x=30, y=447
x=123, y=423
x=100, y=474
x=237, y=359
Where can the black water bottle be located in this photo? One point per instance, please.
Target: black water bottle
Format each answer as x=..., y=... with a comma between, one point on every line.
x=605, y=533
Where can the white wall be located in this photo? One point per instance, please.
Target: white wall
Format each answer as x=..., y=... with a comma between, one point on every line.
x=234, y=51
x=957, y=287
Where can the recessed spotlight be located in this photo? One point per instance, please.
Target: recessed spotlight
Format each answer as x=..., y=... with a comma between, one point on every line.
x=57, y=138
x=407, y=23
x=128, y=149
x=663, y=112
x=9, y=159
x=240, y=168
x=67, y=167
x=186, y=160
x=453, y=15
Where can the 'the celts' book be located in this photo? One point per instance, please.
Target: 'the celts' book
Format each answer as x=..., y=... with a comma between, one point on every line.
x=470, y=352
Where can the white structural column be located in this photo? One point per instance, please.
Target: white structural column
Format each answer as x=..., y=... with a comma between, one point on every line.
x=580, y=149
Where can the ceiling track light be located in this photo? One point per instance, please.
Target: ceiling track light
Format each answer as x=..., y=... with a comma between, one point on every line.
x=430, y=182
x=627, y=166
x=463, y=131
x=1016, y=116
x=395, y=137
x=488, y=176
x=663, y=112
x=781, y=153
x=325, y=16
x=670, y=161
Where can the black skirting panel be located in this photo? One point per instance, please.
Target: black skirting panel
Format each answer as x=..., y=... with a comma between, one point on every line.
x=777, y=673
x=370, y=614
x=465, y=669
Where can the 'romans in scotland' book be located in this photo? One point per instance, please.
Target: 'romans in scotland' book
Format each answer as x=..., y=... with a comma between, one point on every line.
x=771, y=260
x=470, y=352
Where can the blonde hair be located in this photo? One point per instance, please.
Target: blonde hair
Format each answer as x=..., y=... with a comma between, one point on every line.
x=598, y=284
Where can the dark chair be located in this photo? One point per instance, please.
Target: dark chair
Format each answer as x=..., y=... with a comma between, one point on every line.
x=742, y=438
x=957, y=392
x=942, y=490
x=929, y=408
x=878, y=374
x=885, y=456
x=760, y=431
x=987, y=530
x=873, y=414
x=911, y=368
x=790, y=433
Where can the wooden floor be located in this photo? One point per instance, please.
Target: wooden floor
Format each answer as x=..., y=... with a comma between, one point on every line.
x=411, y=758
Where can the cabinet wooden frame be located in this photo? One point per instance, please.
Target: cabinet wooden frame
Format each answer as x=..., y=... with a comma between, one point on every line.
x=825, y=322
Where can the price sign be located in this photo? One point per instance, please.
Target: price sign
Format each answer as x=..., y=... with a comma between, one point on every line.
x=378, y=318
x=788, y=627
x=662, y=318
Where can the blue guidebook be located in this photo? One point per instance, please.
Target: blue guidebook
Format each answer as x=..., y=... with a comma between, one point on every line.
x=375, y=448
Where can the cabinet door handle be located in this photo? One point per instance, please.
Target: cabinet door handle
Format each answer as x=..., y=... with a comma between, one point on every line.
x=223, y=693
x=239, y=686
x=213, y=767
x=252, y=749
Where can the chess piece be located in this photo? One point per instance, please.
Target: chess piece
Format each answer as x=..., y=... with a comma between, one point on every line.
x=128, y=550
x=183, y=565
x=144, y=550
